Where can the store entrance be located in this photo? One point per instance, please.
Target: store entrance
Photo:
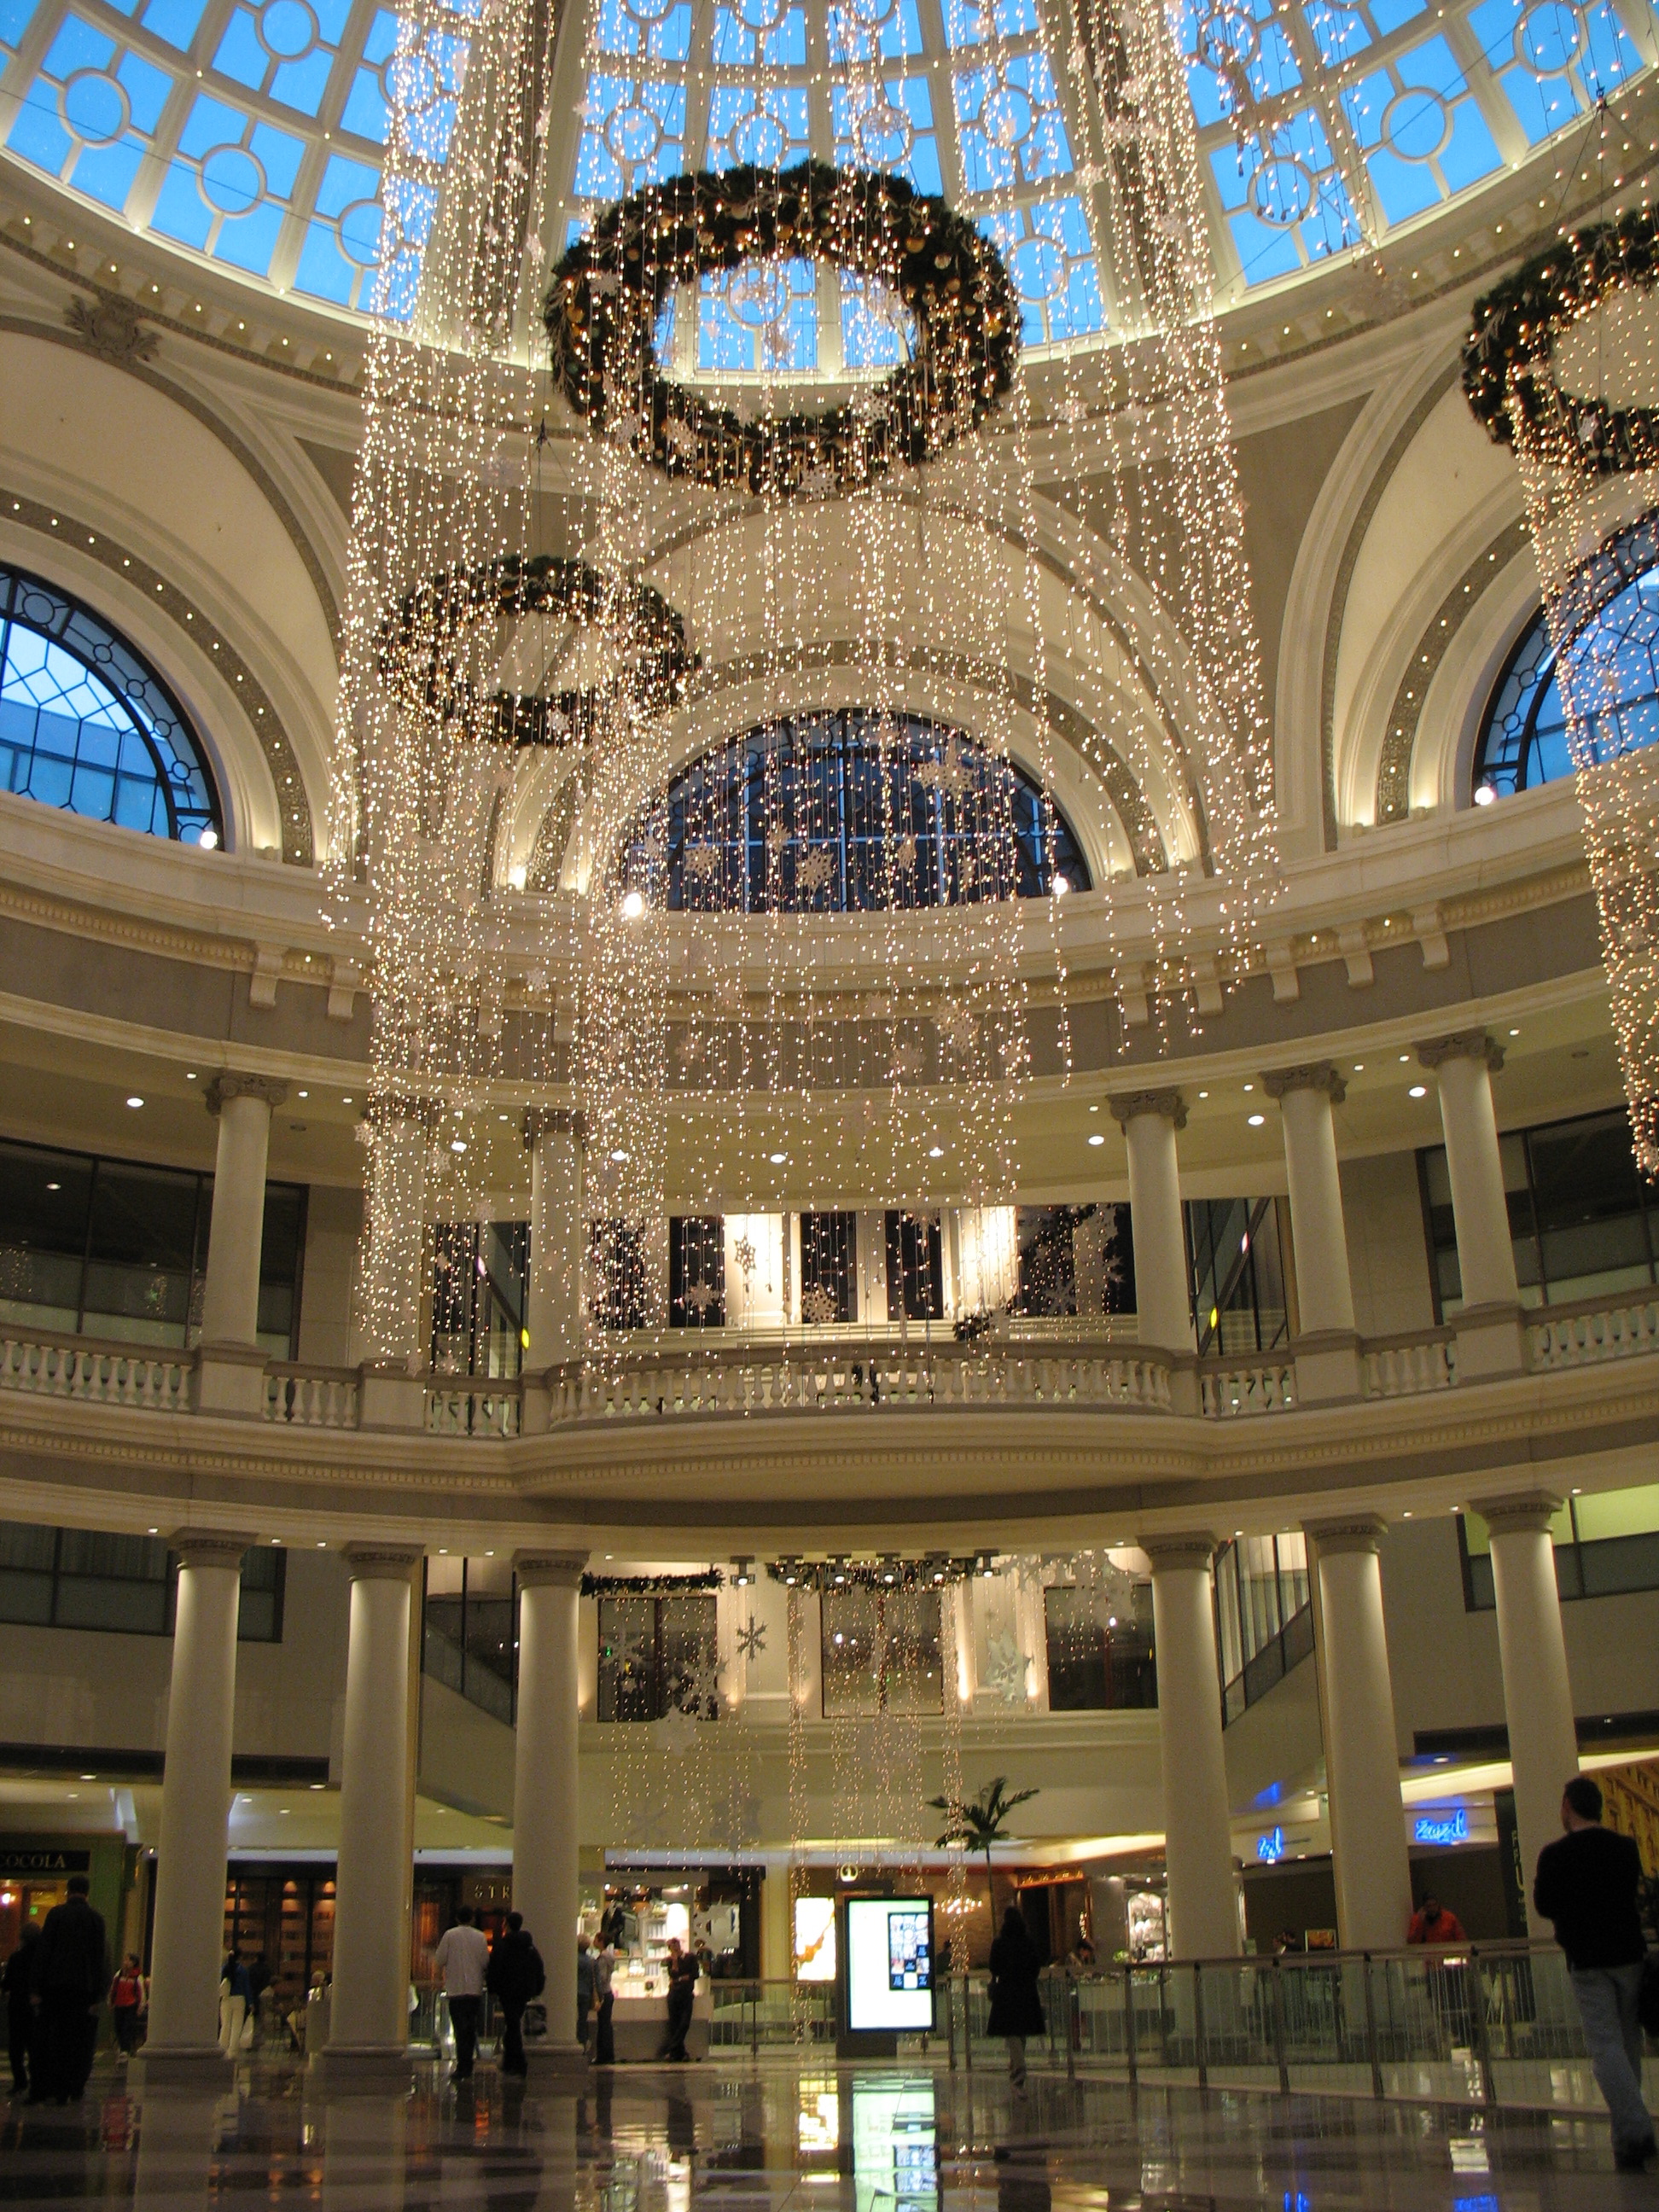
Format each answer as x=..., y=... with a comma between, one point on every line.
x=25, y=1901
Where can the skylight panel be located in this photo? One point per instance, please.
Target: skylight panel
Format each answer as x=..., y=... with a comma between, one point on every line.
x=89, y=116
x=227, y=188
x=1050, y=252
x=1010, y=128
x=771, y=129
x=887, y=125
x=1289, y=209
x=760, y=33
x=286, y=48
x=632, y=134
x=1421, y=129
x=1553, y=62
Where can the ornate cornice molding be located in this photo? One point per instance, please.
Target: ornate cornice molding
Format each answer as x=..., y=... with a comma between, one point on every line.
x=1462, y=1044
x=1529, y=1514
x=537, y=1570
x=209, y=1547
x=224, y=1088
x=205, y=637
x=1131, y=1105
x=1311, y=1075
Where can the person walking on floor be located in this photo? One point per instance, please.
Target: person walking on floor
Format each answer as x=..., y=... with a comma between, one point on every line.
x=71, y=1973
x=1016, y=2008
x=18, y=1982
x=1587, y=1883
x=126, y=2003
x=604, y=1967
x=515, y=1975
x=461, y=1962
x=681, y=1997
x=584, y=1988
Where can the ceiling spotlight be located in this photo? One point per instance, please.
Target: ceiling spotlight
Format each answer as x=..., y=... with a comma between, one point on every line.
x=619, y=1155
x=777, y=1159
x=456, y=1145
x=1060, y=887
x=208, y=839
x=1417, y=1091
x=1484, y=794
x=1097, y=1139
x=135, y=1099
x=936, y=1151
x=1255, y=1120
x=632, y=905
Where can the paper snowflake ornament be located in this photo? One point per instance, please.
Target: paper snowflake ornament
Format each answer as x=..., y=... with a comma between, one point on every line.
x=751, y=1639
x=1005, y=1670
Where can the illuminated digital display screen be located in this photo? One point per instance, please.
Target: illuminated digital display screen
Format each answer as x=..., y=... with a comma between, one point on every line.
x=889, y=1964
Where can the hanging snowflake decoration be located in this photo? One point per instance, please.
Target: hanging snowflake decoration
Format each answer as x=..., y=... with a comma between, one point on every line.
x=1005, y=1671
x=751, y=1639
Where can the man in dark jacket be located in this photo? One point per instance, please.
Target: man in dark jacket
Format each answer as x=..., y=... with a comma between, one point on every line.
x=681, y=1997
x=515, y=1974
x=18, y=1982
x=1016, y=2008
x=1587, y=1884
x=71, y=1973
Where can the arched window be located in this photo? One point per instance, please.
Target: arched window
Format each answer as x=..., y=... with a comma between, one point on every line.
x=853, y=811
x=87, y=725
x=1523, y=741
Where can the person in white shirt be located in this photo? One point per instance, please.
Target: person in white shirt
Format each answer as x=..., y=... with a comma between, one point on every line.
x=604, y=1967
x=461, y=1960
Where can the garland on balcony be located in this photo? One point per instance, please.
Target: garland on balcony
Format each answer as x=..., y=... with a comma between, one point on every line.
x=935, y=1571
x=1507, y=353
x=710, y=1579
x=610, y=290
x=424, y=642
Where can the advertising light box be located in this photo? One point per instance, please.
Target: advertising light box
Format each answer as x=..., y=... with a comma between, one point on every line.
x=889, y=1964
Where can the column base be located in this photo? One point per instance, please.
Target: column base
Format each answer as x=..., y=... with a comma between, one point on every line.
x=362, y=2070
x=1492, y=1341
x=553, y=2065
x=182, y=2066
x=1329, y=1368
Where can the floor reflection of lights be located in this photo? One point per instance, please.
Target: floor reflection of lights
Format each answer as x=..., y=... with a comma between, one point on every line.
x=783, y=2137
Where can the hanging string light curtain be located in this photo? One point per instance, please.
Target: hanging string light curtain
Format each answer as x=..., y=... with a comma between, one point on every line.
x=1562, y=364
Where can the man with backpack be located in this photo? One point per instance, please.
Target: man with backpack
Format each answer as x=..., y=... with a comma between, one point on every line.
x=516, y=1975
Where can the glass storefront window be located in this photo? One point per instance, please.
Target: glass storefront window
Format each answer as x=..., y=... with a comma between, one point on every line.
x=1237, y=1275
x=480, y=1272
x=828, y=1267
x=881, y=1652
x=697, y=1271
x=658, y=1656
x=1099, y=1648
x=1580, y=1218
x=1075, y=1260
x=109, y=1248
x=916, y=1267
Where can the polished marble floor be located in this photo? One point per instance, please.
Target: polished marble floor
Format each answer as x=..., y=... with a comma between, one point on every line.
x=789, y=2136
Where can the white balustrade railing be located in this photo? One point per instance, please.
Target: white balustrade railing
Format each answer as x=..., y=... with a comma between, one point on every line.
x=842, y=1381
x=472, y=1405
x=310, y=1398
x=1410, y=1366
x=1230, y=1389
x=51, y=1366
x=1592, y=1330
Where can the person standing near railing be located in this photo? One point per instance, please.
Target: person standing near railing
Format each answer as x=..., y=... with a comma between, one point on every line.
x=1587, y=1883
x=1016, y=2008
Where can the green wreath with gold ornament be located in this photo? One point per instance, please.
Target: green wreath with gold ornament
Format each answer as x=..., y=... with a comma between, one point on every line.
x=612, y=287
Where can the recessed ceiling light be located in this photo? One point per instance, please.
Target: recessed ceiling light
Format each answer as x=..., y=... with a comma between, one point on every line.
x=456, y=1145
x=305, y=1094
x=937, y=1152
x=345, y=1101
x=1418, y=1090
x=777, y=1159
x=1484, y=794
x=1514, y=1032
x=54, y=1186
x=1097, y=1139
x=1404, y=1057
x=1360, y=1067
x=619, y=1155
x=135, y=1099
x=1256, y=1120
x=190, y=1078
x=1203, y=1094
x=632, y=905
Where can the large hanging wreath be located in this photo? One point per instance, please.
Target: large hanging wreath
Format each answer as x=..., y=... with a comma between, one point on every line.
x=612, y=287
x=1507, y=353
x=424, y=644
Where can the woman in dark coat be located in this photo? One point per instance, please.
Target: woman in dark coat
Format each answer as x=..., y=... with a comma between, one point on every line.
x=1016, y=2008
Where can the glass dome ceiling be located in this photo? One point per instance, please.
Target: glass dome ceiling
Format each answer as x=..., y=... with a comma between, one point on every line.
x=253, y=131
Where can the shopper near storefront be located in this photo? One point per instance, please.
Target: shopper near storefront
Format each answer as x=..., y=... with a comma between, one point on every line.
x=461, y=1961
x=605, y=1968
x=515, y=1976
x=126, y=2003
x=1016, y=2008
x=584, y=1988
x=71, y=1973
x=21, y=2026
x=683, y=1971
x=1587, y=1883
x=1433, y=1925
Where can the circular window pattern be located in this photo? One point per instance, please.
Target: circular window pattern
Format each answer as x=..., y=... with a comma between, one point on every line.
x=1005, y=117
x=885, y=136
x=758, y=295
x=759, y=139
x=1226, y=38
x=288, y=29
x=359, y=230
x=760, y=14
x=233, y=180
x=1282, y=190
x=871, y=14
x=1039, y=269
x=632, y=134
x=648, y=11
x=1417, y=124
x=95, y=106
x=409, y=82
x=1547, y=39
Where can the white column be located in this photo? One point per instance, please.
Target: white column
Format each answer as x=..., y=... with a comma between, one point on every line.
x=1163, y=1306
x=402, y=1131
x=1198, y=1851
x=188, y=1944
x=1537, y=1691
x=369, y=2035
x=1463, y=1067
x=1362, y=1756
x=558, y=1229
x=546, y=1789
x=230, y=1294
x=1306, y=1095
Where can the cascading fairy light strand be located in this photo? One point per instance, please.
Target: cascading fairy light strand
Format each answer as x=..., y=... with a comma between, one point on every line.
x=1562, y=363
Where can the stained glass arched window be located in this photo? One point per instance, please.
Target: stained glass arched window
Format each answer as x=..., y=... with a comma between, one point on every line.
x=1523, y=740
x=87, y=725
x=823, y=814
